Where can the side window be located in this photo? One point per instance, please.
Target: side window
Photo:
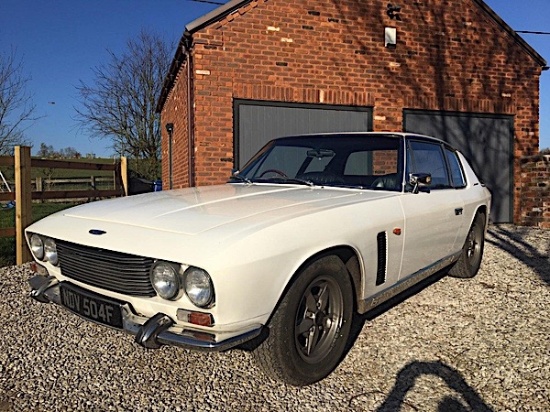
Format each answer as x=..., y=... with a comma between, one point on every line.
x=457, y=176
x=428, y=158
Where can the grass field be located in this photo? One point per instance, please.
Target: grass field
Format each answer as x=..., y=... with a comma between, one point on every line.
x=7, y=219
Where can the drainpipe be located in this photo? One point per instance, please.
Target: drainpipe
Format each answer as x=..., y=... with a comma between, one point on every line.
x=170, y=130
x=188, y=44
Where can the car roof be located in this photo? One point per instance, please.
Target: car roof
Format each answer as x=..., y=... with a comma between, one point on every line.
x=405, y=135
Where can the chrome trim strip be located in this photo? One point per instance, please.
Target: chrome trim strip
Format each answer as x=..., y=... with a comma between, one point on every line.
x=381, y=297
x=150, y=332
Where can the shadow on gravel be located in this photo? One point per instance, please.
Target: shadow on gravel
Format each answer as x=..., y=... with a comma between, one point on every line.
x=407, y=376
x=359, y=320
x=514, y=243
x=406, y=379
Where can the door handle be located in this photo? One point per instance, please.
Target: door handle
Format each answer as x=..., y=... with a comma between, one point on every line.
x=458, y=211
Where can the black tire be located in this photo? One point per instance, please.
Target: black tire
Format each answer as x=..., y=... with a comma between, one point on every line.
x=310, y=328
x=469, y=262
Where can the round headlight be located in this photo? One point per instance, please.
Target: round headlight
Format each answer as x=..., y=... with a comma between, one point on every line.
x=37, y=246
x=50, y=251
x=166, y=280
x=198, y=287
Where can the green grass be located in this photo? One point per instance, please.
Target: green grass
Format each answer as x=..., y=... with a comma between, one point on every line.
x=7, y=219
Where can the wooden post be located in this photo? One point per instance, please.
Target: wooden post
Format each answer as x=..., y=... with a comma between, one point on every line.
x=124, y=174
x=39, y=186
x=23, y=202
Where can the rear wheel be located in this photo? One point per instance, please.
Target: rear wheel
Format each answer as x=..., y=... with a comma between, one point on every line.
x=309, y=330
x=469, y=262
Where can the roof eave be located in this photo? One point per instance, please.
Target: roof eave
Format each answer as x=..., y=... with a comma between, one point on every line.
x=528, y=48
x=180, y=56
x=177, y=61
x=215, y=15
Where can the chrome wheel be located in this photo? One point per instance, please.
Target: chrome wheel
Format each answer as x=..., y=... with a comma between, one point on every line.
x=318, y=319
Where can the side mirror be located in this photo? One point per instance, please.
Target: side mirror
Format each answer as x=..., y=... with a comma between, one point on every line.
x=419, y=180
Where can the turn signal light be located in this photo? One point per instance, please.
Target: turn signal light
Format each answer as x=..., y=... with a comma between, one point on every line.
x=196, y=318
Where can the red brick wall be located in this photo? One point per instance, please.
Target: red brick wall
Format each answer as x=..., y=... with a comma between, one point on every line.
x=450, y=55
x=176, y=111
x=535, y=191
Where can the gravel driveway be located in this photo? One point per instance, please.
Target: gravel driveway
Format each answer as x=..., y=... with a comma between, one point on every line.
x=456, y=345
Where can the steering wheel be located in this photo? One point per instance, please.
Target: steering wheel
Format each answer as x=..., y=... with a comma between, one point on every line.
x=276, y=171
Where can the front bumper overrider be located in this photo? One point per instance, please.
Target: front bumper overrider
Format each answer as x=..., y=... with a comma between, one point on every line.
x=151, y=332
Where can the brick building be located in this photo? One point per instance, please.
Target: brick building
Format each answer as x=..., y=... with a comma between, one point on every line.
x=252, y=70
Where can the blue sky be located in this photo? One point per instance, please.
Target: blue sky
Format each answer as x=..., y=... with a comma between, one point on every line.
x=60, y=41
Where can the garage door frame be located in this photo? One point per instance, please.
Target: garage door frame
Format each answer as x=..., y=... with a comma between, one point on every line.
x=238, y=103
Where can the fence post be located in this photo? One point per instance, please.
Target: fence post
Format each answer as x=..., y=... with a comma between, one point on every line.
x=23, y=202
x=124, y=174
x=39, y=184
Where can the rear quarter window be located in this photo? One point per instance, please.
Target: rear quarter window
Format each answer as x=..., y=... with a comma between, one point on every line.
x=457, y=174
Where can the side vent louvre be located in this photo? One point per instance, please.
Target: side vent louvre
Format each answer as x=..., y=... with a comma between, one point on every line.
x=382, y=243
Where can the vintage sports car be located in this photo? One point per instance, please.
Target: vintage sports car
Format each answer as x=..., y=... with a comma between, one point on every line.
x=311, y=231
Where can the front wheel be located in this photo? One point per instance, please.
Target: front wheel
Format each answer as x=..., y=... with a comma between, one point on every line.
x=309, y=330
x=469, y=262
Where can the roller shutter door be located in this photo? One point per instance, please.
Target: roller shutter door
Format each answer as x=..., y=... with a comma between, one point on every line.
x=257, y=122
x=487, y=142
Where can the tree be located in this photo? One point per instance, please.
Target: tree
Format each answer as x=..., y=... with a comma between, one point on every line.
x=45, y=151
x=121, y=103
x=48, y=152
x=16, y=106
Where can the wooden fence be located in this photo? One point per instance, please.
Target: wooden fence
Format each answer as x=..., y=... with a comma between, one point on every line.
x=23, y=195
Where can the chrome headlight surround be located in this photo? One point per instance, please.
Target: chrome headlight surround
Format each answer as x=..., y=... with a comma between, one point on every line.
x=50, y=251
x=37, y=246
x=44, y=248
x=198, y=287
x=167, y=280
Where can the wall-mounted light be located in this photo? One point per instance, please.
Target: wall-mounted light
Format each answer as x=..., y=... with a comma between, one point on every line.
x=390, y=36
x=394, y=11
x=170, y=127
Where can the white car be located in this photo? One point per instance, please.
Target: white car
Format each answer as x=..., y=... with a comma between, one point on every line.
x=312, y=230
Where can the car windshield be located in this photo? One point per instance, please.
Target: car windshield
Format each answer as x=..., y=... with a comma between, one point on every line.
x=365, y=161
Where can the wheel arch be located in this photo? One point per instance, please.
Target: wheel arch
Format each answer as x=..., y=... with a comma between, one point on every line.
x=349, y=257
x=481, y=210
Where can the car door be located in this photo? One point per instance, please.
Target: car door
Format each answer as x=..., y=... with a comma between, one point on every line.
x=433, y=216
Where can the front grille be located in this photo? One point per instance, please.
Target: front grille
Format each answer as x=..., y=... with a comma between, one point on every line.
x=118, y=272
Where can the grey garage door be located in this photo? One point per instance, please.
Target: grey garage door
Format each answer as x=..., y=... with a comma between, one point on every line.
x=257, y=122
x=487, y=142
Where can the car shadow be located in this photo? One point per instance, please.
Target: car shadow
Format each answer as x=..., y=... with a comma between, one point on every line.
x=466, y=399
x=359, y=320
x=407, y=376
x=514, y=242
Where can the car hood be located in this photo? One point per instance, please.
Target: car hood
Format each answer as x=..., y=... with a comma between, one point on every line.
x=196, y=210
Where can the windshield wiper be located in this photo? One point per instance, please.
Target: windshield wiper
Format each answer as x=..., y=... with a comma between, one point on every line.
x=239, y=178
x=284, y=180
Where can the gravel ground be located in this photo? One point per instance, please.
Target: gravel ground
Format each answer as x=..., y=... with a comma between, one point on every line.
x=456, y=345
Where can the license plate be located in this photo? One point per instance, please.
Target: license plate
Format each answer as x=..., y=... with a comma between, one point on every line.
x=91, y=306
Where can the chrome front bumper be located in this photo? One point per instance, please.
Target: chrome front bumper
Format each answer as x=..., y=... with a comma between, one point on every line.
x=152, y=332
